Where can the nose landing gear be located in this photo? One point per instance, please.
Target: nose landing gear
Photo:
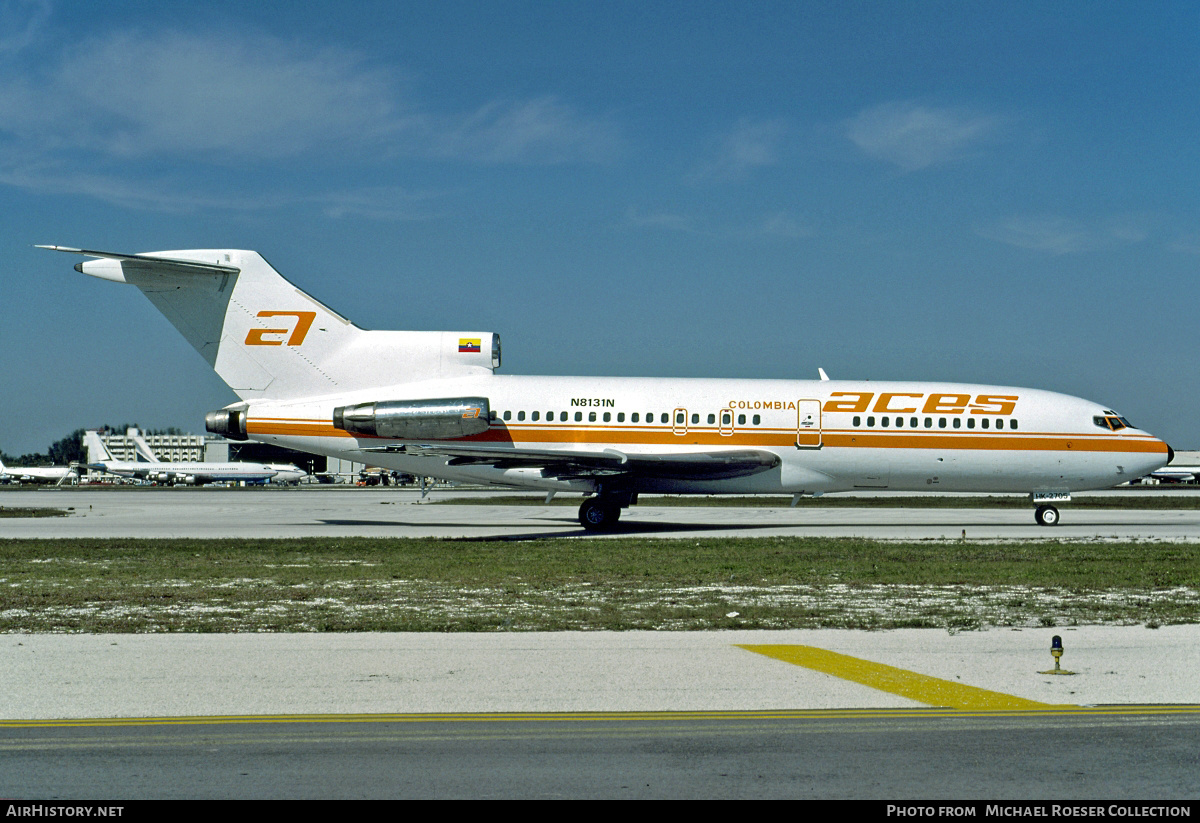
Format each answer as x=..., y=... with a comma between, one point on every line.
x=1046, y=516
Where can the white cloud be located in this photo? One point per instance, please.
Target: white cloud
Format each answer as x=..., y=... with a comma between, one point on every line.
x=748, y=146
x=184, y=94
x=383, y=203
x=20, y=22
x=120, y=106
x=157, y=195
x=131, y=96
x=770, y=227
x=785, y=226
x=1186, y=243
x=914, y=137
x=187, y=94
x=1062, y=235
x=661, y=220
x=539, y=131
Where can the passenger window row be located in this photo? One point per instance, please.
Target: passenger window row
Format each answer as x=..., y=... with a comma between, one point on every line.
x=634, y=417
x=942, y=422
x=664, y=418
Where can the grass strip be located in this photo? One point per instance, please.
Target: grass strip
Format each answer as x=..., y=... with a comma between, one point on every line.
x=365, y=584
x=32, y=511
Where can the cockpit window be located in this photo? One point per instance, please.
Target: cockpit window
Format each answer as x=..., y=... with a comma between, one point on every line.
x=1111, y=421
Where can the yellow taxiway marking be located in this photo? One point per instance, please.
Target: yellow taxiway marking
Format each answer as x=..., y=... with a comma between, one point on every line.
x=1031, y=709
x=932, y=691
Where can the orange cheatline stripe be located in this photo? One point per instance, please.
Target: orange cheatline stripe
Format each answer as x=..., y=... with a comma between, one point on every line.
x=789, y=433
x=294, y=429
x=523, y=435
x=1006, y=442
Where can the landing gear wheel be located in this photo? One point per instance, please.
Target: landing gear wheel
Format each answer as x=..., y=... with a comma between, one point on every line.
x=1046, y=516
x=598, y=515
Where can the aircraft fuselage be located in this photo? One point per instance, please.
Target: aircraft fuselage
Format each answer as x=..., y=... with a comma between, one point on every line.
x=828, y=435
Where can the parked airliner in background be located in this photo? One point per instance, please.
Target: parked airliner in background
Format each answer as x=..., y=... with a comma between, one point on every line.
x=42, y=474
x=169, y=472
x=1175, y=474
x=183, y=473
x=430, y=404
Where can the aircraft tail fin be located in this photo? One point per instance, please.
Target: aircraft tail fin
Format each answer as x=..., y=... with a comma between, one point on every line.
x=267, y=339
x=96, y=450
x=144, y=453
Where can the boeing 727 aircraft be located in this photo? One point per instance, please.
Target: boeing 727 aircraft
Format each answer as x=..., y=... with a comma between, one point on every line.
x=431, y=404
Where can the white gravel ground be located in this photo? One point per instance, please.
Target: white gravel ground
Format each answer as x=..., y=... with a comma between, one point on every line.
x=165, y=675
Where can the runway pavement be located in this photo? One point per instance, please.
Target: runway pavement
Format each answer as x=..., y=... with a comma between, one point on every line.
x=324, y=512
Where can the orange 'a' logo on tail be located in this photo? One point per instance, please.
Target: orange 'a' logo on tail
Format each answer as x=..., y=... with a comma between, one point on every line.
x=304, y=320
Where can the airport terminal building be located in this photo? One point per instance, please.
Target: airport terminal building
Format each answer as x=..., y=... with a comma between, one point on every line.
x=170, y=448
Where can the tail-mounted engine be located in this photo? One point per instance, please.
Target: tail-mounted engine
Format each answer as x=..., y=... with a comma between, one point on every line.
x=228, y=422
x=444, y=419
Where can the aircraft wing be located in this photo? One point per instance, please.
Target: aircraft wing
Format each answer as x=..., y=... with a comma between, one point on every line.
x=571, y=463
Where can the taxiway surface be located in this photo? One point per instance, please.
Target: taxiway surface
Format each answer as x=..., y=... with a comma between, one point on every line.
x=899, y=714
x=326, y=512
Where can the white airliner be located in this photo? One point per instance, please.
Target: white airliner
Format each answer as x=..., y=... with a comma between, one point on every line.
x=43, y=474
x=1175, y=475
x=181, y=473
x=172, y=472
x=430, y=404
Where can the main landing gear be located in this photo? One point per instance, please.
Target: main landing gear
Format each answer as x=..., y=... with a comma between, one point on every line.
x=601, y=513
x=1046, y=516
x=597, y=515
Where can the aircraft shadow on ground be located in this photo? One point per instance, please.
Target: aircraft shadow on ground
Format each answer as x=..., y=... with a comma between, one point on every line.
x=622, y=528
x=633, y=528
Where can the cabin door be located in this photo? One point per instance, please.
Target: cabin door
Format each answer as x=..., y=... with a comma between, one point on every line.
x=808, y=424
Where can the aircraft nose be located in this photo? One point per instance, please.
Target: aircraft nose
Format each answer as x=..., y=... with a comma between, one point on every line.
x=1170, y=453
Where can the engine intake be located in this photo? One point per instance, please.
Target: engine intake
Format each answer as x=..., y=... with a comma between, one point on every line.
x=444, y=419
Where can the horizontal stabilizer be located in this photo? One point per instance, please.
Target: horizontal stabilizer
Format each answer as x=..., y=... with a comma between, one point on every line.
x=149, y=262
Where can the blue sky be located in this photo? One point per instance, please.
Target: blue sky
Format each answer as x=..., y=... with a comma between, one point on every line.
x=993, y=193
